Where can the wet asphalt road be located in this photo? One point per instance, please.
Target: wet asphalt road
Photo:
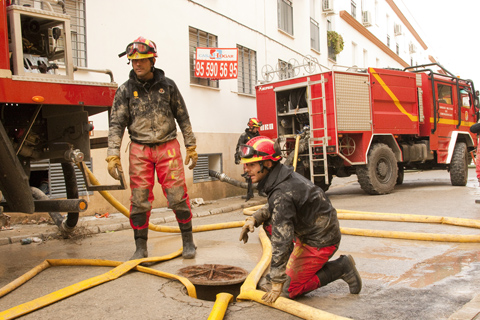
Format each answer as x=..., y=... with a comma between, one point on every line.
x=402, y=279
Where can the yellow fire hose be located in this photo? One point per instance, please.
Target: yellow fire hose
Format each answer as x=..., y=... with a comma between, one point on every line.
x=120, y=269
x=220, y=306
x=249, y=291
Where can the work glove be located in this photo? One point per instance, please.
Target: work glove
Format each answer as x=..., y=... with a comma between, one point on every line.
x=272, y=295
x=114, y=165
x=191, y=155
x=249, y=226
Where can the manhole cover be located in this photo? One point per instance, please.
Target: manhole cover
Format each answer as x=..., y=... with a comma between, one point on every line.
x=214, y=274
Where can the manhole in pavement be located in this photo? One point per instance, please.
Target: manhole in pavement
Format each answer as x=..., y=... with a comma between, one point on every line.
x=213, y=274
x=211, y=279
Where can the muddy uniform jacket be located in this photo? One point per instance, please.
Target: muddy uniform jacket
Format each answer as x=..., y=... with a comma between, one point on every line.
x=244, y=138
x=296, y=209
x=149, y=110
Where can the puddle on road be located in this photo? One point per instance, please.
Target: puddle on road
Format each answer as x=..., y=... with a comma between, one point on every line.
x=438, y=268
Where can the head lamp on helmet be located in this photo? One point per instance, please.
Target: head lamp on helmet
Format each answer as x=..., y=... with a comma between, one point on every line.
x=141, y=48
x=260, y=148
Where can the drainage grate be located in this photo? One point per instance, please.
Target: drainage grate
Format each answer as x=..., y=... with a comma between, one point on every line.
x=214, y=274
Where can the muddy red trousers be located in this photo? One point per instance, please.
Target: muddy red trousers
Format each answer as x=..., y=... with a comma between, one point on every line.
x=166, y=161
x=302, y=266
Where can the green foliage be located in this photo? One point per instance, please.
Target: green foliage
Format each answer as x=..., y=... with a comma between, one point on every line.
x=335, y=40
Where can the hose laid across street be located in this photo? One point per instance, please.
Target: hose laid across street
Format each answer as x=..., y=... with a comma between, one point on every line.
x=397, y=217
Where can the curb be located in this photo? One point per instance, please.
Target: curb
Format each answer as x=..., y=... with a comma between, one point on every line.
x=98, y=226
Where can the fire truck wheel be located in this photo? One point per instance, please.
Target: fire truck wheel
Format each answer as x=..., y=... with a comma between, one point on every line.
x=400, y=174
x=458, y=165
x=379, y=176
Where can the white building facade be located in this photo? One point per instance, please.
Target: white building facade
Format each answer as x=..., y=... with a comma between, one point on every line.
x=275, y=39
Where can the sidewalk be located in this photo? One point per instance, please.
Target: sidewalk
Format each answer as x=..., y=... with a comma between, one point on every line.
x=117, y=221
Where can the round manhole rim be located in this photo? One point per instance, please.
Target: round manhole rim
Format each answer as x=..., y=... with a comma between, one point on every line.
x=213, y=274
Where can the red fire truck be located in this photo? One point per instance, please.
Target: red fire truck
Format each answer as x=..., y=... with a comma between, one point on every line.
x=44, y=109
x=373, y=122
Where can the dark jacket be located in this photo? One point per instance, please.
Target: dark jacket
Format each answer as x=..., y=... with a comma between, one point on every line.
x=149, y=110
x=296, y=209
x=244, y=138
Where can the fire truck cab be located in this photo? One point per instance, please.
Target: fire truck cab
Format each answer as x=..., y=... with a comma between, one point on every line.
x=373, y=122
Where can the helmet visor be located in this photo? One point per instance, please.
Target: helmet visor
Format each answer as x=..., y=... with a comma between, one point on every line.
x=139, y=47
x=247, y=152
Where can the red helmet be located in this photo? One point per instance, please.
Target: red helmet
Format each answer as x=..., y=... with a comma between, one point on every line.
x=260, y=148
x=141, y=48
x=254, y=123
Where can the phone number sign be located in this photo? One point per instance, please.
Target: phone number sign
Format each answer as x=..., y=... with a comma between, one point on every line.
x=216, y=63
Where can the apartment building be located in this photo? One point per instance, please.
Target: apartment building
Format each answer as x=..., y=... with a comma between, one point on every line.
x=276, y=39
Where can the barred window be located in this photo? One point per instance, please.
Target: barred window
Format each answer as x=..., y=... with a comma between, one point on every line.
x=202, y=39
x=353, y=7
x=247, y=70
x=314, y=35
x=285, y=16
x=76, y=10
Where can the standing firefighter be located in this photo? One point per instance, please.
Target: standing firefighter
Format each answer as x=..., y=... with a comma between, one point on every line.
x=251, y=132
x=148, y=104
x=302, y=225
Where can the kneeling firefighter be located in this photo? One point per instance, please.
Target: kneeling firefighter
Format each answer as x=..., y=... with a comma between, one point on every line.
x=148, y=104
x=301, y=223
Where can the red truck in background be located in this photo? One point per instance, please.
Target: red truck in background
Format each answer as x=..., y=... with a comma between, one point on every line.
x=44, y=110
x=373, y=122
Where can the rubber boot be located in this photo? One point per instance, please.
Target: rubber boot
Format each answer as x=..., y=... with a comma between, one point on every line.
x=350, y=274
x=331, y=271
x=189, y=248
x=141, y=237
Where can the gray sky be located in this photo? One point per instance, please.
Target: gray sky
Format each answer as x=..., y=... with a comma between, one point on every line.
x=451, y=29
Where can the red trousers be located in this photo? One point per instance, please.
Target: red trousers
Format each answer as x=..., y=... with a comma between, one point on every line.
x=166, y=161
x=302, y=266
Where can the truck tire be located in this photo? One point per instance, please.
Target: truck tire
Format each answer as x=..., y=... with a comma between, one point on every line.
x=458, y=165
x=400, y=175
x=379, y=175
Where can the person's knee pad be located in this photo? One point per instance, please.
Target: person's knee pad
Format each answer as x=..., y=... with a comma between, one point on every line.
x=140, y=201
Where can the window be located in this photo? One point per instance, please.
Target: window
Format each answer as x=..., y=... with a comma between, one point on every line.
x=444, y=93
x=329, y=24
x=388, y=41
x=198, y=38
x=398, y=48
x=76, y=10
x=465, y=97
x=365, y=58
x=205, y=163
x=285, y=16
x=314, y=35
x=247, y=70
x=285, y=70
x=354, y=9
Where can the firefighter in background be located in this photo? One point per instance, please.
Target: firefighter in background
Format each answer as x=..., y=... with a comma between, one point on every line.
x=302, y=225
x=250, y=132
x=148, y=104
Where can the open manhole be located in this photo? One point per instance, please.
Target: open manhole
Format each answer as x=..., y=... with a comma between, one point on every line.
x=211, y=279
